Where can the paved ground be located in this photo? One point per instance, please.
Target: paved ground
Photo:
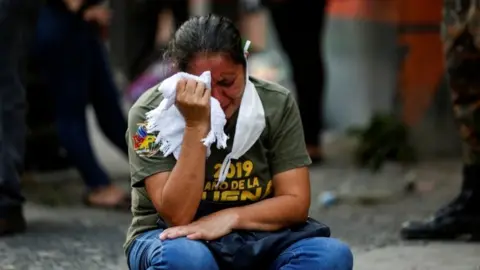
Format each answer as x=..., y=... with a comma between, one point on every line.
x=65, y=235
x=421, y=257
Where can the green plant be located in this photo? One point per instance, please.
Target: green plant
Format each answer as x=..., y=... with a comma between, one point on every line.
x=385, y=138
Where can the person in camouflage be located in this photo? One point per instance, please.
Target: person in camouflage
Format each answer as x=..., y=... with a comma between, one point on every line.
x=461, y=37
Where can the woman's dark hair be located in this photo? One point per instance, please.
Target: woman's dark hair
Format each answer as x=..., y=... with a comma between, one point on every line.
x=205, y=34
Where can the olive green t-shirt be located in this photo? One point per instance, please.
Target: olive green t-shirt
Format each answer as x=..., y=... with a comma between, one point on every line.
x=281, y=147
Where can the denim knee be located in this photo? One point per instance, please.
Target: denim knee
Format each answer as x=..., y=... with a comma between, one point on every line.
x=331, y=253
x=183, y=253
x=319, y=253
x=149, y=252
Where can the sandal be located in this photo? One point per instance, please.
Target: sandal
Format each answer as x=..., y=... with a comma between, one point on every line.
x=124, y=204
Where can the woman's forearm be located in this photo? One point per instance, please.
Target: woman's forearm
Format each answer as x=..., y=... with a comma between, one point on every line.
x=272, y=214
x=183, y=190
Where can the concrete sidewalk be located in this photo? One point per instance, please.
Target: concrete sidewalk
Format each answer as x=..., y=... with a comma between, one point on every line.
x=435, y=256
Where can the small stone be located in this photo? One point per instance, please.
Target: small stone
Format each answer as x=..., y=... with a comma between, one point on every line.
x=327, y=198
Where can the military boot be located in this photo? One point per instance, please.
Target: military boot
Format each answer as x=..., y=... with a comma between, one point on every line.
x=461, y=217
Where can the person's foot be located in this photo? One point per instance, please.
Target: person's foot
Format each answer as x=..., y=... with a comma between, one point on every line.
x=110, y=197
x=459, y=218
x=315, y=153
x=13, y=222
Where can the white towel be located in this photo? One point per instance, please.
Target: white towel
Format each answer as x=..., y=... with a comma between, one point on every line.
x=167, y=120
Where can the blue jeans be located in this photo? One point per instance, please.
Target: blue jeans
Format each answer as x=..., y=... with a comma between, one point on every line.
x=75, y=65
x=17, y=19
x=148, y=252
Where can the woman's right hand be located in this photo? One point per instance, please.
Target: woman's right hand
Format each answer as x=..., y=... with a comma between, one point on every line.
x=193, y=101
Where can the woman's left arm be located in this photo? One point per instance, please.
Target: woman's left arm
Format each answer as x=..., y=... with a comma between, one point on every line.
x=288, y=160
x=289, y=205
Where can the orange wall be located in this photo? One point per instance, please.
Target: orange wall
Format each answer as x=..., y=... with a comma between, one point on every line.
x=380, y=10
x=393, y=11
x=423, y=68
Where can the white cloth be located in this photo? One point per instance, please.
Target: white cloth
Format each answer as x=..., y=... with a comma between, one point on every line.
x=250, y=125
x=167, y=120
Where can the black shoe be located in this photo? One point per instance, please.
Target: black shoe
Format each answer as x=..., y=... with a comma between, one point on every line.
x=459, y=218
x=13, y=223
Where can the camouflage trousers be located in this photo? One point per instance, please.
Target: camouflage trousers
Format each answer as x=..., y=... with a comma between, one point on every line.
x=461, y=37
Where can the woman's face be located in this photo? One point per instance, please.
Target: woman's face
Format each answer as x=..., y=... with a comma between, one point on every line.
x=228, y=78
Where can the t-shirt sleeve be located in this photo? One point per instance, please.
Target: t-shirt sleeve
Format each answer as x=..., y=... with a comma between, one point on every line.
x=144, y=156
x=288, y=150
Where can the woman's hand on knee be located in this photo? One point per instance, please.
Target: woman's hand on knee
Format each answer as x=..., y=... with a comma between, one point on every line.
x=210, y=227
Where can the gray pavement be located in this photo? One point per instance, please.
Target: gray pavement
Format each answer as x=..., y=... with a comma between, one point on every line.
x=66, y=238
x=421, y=257
x=64, y=235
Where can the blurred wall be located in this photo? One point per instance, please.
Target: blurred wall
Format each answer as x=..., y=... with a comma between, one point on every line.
x=386, y=56
x=362, y=70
